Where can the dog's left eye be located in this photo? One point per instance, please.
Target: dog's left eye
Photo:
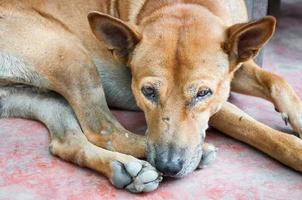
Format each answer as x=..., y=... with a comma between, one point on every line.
x=202, y=94
x=149, y=92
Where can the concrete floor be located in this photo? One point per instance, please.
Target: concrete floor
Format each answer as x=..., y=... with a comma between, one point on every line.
x=28, y=171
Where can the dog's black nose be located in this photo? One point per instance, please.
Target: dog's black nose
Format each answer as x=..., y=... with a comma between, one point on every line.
x=169, y=168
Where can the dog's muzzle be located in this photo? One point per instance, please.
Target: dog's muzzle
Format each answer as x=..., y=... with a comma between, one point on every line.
x=173, y=161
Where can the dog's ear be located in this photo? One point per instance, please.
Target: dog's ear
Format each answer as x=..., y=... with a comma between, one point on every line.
x=246, y=39
x=119, y=36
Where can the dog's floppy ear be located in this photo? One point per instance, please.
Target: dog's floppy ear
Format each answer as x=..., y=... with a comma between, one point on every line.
x=119, y=36
x=246, y=39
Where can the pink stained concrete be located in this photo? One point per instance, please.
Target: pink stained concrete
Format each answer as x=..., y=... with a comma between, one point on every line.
x=28, y=171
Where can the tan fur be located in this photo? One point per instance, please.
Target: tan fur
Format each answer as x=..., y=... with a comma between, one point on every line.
x=180, y=47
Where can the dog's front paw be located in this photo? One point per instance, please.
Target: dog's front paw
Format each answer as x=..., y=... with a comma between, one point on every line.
x=209, y=153
x=135, y=176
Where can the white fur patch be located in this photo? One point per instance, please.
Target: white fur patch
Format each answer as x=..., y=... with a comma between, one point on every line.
x=14, y=70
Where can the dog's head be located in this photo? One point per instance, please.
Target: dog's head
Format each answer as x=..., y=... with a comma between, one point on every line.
x=182, y=63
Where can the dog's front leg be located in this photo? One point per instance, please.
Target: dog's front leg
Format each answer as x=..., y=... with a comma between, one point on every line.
x=250, y=79
x=237, y=124
x=81, y=86
x=123, y=171
x=101, y=128
x=69, y=143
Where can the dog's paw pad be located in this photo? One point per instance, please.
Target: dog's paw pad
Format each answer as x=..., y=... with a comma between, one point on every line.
x=135, y=176
x=209, y=153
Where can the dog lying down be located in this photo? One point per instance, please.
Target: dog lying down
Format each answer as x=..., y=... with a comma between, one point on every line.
x=176, y=60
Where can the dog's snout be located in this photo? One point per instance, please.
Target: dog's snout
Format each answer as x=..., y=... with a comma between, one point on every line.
x=170, y=167
x=169, y=161
x=174, y=160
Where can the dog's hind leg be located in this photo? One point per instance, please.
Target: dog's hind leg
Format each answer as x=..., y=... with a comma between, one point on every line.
x=69, y=143
x=234, y=122
x=250, y=79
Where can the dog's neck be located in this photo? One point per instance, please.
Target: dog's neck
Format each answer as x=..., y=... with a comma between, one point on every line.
x=136, y=11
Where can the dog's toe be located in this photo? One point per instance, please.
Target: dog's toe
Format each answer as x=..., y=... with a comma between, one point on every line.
x=133, y=168
x=136, y=176
x=146, y=180
x=120, y=178
x=209, y=154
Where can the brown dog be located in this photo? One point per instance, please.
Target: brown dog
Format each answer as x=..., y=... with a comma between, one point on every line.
x=183, y=56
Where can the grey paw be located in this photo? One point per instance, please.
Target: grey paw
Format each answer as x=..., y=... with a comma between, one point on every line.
x=136, y=176
x=209, y=153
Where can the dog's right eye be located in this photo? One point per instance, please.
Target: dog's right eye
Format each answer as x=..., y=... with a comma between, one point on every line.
x=150, y=93
x=202, y=94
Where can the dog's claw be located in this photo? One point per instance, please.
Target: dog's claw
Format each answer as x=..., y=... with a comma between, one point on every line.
x=209, y=153
x=285, y=118
x=136, y=176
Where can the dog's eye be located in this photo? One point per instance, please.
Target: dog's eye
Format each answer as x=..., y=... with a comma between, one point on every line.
x=202, y=94
x=149, y=92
